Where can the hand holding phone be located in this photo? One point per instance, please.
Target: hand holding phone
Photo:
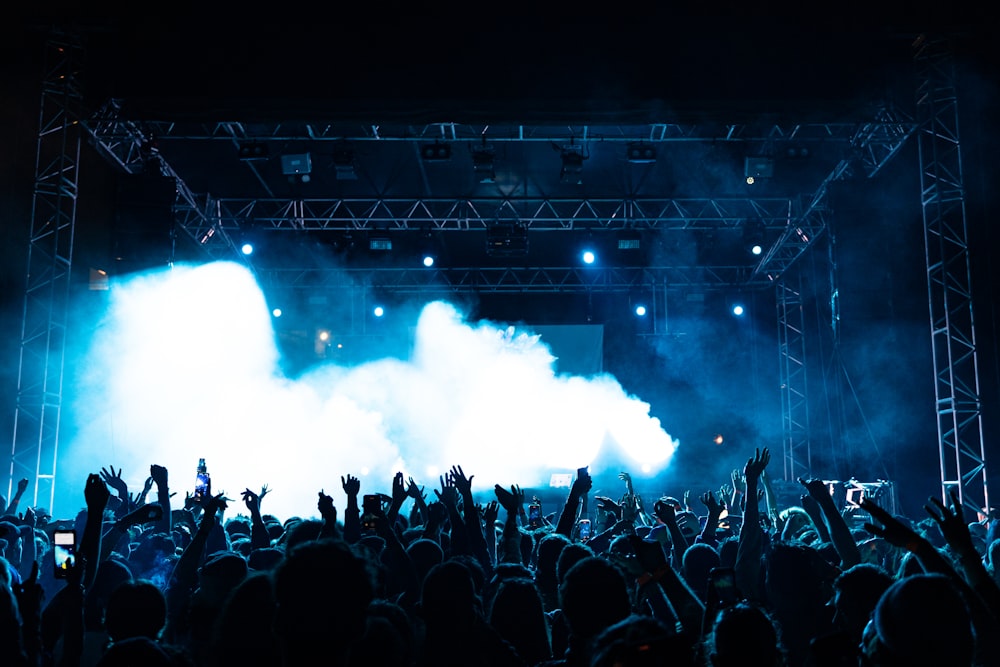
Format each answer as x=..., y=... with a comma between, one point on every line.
x=534, y=515
x=64, y=553
x=722, y=586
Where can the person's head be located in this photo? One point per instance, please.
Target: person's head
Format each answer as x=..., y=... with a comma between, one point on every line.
x=518, y=615
x=449, y=592
x=856, y=591
x=136, y=608
x=549, y=548
x=920, y=621
x=220, y=574
x=798, y=577
x=640, y=641
x=325, y=571
x=570, y=555
x=593, y=595
x=697, y=562
x=744, y=635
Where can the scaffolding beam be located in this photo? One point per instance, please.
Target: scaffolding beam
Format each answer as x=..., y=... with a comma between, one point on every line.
x=949, y=279
x=35, y=446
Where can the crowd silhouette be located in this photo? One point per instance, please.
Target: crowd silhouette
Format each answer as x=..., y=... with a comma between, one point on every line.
x=403, y=577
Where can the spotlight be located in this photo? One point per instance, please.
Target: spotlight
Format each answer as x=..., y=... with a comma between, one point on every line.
x=738, y=310
x=428, y=261
x=247, y=248
x=297, y=167
x=343, y=164
x=758, y=167
x=507, y=239
x=276, y=312
x=378, y=311
x=640, y=153
x=251, y=150
x=572, y=165
x=482, y=164
x=640, y=310
x=436, y=152
x=588, y=256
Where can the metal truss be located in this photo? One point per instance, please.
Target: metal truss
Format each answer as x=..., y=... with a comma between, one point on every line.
x=796, y=451
x=949, y=280
x=763, y=132
x=401, y=213
x=35, y=447
x=508, y=280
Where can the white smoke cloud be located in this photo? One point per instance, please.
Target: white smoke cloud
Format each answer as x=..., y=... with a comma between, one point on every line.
x=186, y=366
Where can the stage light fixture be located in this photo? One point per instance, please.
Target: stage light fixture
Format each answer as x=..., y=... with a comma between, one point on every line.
x=757, y=167
x=738, y=310
x=588, y=256
x=571, y=171
x=252, y=150
x=629, y=239
x=506, y=239
x=641, y=153
x=297, y=167
x=380, y=243
x=640, y=310
x=343, y=164
x=378, y=311
x=247, y=248
x=482, y=164
x=436, y=152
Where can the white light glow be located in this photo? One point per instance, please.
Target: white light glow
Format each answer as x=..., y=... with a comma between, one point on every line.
x=166, y=381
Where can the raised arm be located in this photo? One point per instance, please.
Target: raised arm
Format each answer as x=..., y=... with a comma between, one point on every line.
x=352, y=514
x=473, y=523
x=581, y=486
x=159, y=475
x=751, y=541
x=840, y=532
x=511, y=501
x=259, y=537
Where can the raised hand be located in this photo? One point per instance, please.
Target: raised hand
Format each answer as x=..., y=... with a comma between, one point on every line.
x=713, y=506
x=665, y=511
x=462, y=483
x=490, y=512
x=816, y=488
x=96, y=493
x=145, y=514
x=952, y=523
x=398, y=490
x=892, y=530
x=252, y=500
x=610, y=506
x=756, y=464
x=510, y=500
x=448, y=493
x=326, y=508
x=159, y=475
x=739, y=482
x=352, y=485
x=114, y=480
x=627, y=478
x=414, y=491
x=22, y=486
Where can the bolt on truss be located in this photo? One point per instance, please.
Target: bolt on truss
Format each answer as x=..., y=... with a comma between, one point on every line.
x=949, y=280
x=35, y=447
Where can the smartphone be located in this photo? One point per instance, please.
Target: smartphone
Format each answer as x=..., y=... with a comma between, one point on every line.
x=534, y=515
x=582, y=472
x=722, y=586
x=583, y=529
x=201, y=485
x=64, y=552
x=370, y=506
